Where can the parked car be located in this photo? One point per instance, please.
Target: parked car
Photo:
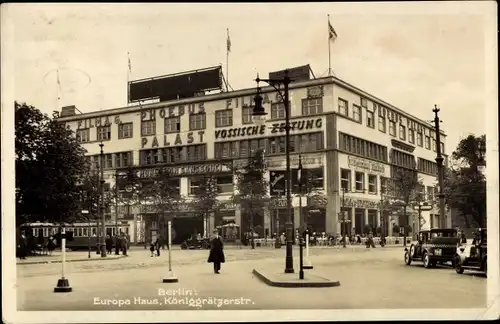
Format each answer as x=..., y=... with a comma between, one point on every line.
x=432, y=247
x=472, y=256
x=194, y=244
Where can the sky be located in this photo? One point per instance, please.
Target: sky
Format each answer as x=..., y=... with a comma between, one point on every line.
x=412, y=55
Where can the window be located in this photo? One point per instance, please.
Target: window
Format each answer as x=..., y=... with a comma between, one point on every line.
x=383, y=185
x=148, y=127
x=172, y=125
x=278, y=111
x=125, y=130
x=392, y=128
x=442, y=147
x=420, y=139
x=103, y=133
x=364, y=102
x=247, y=115
x=345, y=179
x=402, y=159
x=372, y=183
x=196, y=152
x=360, y=181
x=356, y=113
x=225, y=184
x=312, y=106
x=434, y=145
x=402, y=132
x=123, y=159
x=381, y=124
x=411, y=136
x=362, y=147
x=426, y=166
x=194, y=185
x=343, y=107
x=430, y=194
x=83, y=135
x=370, y=119
x=224, y=118
x=427, y=142
x=197, y=121
x=109, y=161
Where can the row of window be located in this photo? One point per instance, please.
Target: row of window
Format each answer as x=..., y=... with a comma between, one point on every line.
x=223, y=118
x=298, y=143
x=112, y=160
x=224, y=183
x=362, y=147
x=402, y=159
x=404, y=134
x=359, y=181
x=191, y=153
x=426, y=166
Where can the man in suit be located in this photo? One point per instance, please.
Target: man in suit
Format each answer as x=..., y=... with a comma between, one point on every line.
x=216, y=252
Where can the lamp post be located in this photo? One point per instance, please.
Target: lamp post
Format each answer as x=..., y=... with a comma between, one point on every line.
x=259, y=115
x=103, y=205
x=343, y=212
x=439, y=161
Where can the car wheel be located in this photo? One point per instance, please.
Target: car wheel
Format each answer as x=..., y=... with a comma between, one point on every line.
x=458, y=268
x=407, y=258
x=426, y=259
x=184, y=246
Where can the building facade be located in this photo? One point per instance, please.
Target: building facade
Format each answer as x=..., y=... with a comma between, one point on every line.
x=349, y=141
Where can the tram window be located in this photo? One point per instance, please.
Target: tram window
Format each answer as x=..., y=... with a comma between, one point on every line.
x=85, y=232
x=126, y=230
x=35, y=232
x=94, y=231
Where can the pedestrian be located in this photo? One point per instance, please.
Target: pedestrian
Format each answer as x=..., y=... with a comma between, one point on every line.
x=109, y=244
x=152, y=248
x=157, y=246
x=22, y=247
x=124, y=244
x=216, y=255
x=51, y=244
x=117, y=245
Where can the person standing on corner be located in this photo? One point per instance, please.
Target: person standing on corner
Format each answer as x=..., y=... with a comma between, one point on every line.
x=216, y=252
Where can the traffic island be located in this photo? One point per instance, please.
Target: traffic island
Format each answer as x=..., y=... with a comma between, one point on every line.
x=291, y=280
x=82, y=259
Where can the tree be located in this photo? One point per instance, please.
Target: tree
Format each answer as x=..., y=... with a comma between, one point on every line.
x=252, y=190
x=49, y=164
x=162, y=197
x=464, y=184
x=404, y=190
x=205, y=200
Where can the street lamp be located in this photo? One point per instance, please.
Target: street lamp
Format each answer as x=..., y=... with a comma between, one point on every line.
x=439, y=161
x=103, y=205
x=259, y=117
x=343, y=214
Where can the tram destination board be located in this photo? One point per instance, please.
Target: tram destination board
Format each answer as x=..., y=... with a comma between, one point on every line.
x=175, y=86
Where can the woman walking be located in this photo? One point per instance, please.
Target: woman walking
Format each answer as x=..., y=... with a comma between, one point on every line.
x=216, y=252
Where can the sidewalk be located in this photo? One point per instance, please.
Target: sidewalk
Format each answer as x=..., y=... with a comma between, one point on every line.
x=70, y=257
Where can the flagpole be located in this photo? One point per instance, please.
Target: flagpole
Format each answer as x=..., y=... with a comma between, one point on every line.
x=329, y=50
x=58, y=90
x=227, y=59
x=129, y=71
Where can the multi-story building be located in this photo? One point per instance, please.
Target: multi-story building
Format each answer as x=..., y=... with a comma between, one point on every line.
x=349, y=140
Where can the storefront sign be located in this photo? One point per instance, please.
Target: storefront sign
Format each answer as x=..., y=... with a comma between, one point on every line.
x=365, y=165
x=186, y=170
x=98, y=121
x=275, y=128
x=173, y=139
x=361, y=203
x=307, y=161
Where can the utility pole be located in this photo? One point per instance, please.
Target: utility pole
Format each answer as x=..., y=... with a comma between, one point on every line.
x=439, y=161
x=103, y=206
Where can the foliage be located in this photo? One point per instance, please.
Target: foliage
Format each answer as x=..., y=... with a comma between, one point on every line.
x=395, y=230
x=252, y=188
x=162, y=197
x=205, y=200
x=49, y=164
x=464, y=185
x=367, y=229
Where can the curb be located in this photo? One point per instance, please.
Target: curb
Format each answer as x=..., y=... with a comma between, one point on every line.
x=285, y=284
x=76, y=260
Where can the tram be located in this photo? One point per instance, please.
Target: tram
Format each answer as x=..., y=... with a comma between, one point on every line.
x=79, y=234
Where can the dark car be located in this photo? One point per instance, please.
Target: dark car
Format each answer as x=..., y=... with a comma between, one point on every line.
x=195, y=244
x=472, y=256
x=432, y=247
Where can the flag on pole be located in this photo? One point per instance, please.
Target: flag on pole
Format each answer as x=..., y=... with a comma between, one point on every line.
x=331, y=32
x=58, y=86
x=129, y=64
x=228, y=42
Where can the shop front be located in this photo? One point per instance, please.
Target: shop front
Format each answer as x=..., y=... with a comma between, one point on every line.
x=362, y=217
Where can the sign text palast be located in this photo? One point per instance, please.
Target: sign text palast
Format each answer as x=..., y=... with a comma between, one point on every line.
x=261, y=129
x=186, y=170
